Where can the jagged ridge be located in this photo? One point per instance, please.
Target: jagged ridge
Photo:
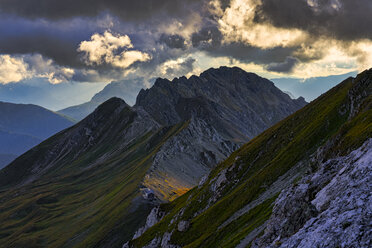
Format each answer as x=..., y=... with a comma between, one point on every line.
x=230, y=208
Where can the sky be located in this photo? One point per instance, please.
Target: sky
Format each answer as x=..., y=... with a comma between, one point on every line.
x=99, y=41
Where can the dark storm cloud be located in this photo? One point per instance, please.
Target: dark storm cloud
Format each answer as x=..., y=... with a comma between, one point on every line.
x=207, y=37
x=341, y=19
x=52, y=40
x=286, y=66
x=246, y=53
x=137, y=10
x=173, y=41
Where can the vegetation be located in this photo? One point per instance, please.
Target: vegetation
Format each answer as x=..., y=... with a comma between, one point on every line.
x=253, y=168
x=82, y=202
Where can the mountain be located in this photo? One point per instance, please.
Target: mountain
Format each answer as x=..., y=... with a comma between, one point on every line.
x=41, y=92
x=305, y=182
x=224, y=108
x=121, y=89
x=5, y=159
x=24, y=126
x=93, y=184
x=310, y=88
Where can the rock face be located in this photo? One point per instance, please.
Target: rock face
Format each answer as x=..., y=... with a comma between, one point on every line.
x=221, y=109
x=340, y=214
x=154, y=217
x=245, y=103
x=305, y=182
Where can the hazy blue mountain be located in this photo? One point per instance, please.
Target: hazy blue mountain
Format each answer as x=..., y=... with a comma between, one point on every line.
x=126, y=90
x=310, y=88
x=23, y=126
x=40, y=92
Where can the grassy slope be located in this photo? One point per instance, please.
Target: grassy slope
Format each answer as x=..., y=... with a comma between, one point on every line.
x=71, y=206
x=262, y=161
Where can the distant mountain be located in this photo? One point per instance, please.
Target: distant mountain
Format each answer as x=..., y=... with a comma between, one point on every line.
x=41, y=92
x=125, y=89
x=305, y=182
x=24, y=126
x=310, y=88
x=101, y=177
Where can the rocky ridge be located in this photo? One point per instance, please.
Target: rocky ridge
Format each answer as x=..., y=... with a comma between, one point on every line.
x=285, y=187
x=222, y=109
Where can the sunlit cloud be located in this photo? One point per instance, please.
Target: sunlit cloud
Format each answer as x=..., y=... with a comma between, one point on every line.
x=111, y=49
x=237, y=25
x=17, y=68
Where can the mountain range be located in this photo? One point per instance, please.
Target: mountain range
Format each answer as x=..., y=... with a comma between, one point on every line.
x=121, y=89
x=93, y=184
x=310, y=88
x=305, y=182
x=24, y=126
x=39, y=91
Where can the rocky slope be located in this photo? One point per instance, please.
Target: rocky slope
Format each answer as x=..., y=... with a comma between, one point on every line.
x=223, y=108
x=94, y=183
x=328, y=208
x=302, y=182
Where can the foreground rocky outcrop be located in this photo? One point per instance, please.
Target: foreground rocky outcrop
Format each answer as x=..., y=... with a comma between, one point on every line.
x=328, y=208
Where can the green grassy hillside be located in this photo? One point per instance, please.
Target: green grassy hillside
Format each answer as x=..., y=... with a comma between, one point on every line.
x=88, y=199
x=238, y=195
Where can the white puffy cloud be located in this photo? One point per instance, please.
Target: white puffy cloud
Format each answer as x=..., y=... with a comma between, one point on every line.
x=12, y=69
x=184, y=66
x=111, y=49
x=17, y=68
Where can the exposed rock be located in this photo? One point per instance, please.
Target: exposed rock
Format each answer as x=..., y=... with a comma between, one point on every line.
x=154, y=217
x=340, y=215
x=183, y=225
x=222, y=108
x=218, y=181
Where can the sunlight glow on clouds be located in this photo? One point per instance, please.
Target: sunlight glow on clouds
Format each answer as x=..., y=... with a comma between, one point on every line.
x=12, y=69
x=17, y=68
x=105, y=49
x=237, y=24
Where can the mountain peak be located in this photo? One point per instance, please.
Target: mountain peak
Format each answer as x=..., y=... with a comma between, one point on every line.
x=110, y=106
x=228, y=87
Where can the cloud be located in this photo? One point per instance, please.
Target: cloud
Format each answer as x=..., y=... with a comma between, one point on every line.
x=112, y=50
x=237, y=24
x=339, y=19
x=176, y=68
x=151, y=38
x=138, y=10
x=17, y=68
x=12, y=69
x=173, y=41
x=285, y=66
x=207, y=37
